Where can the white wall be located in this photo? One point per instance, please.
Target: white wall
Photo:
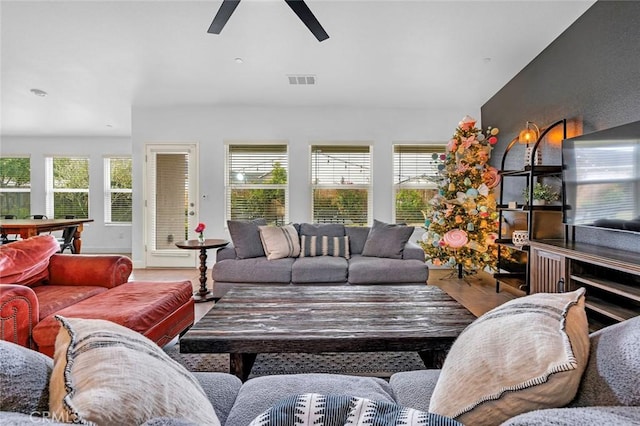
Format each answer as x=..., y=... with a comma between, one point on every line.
x=96, y=237
x=211, y=127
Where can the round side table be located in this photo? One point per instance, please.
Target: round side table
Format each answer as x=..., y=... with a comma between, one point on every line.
x=204, y=294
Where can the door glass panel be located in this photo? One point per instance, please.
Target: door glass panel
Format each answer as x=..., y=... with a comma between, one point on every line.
x=172, y=195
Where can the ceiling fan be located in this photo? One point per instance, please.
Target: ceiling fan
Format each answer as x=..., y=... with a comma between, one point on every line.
x=298, y=6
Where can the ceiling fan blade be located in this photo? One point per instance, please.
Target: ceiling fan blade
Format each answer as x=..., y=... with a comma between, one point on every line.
x=304, y=13
x=224, y=13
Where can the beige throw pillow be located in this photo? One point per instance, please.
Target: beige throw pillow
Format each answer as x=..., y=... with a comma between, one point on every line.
x=107, y=374
x=524, y=355
x=280, y=241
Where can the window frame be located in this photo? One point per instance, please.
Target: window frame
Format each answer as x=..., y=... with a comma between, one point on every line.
x=230, y=185
x=50, y=190
x=358, y=147
x=430, y=183
x=20, y=189
x=108, y=190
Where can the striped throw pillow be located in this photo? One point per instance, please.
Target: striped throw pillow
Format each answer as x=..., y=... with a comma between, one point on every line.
x=280, y=241
x=323, y=245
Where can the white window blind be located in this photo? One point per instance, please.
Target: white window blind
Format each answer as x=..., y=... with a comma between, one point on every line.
x=415, y=174
x=256, y=182
x=341, y=181
x=118, y=190
x=67, y=187
x=15, y=186
x=612, y=182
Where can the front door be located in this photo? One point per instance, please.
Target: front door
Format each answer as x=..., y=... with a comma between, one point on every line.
x=171, y=203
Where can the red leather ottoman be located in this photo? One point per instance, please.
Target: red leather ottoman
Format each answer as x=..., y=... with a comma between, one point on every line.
x=158, y=310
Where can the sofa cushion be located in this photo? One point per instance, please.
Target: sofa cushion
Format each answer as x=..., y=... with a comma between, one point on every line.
x=258, y=394
x=255, y=270
x=613, y=372
x=52, y=298
x=322, y=269
x=414, y=388
x=314, y=409
x=319, y=229
x=357, y=238
x=601, y=416
x=221, y=389
x=245, y=236
x=280, y=241
x=381, y=270
x=524, y=355
x=24, y=379
x=26, y=261
x=136, y=305
x=108, y=374
x=313, y=245
x=387, y=240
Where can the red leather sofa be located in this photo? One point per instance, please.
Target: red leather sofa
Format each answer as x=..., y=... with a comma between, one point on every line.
x=36, y=283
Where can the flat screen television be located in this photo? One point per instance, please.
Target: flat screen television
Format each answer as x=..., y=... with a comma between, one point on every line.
x=601, y=178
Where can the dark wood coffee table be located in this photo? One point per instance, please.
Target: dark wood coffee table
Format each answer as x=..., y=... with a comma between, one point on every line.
x=311, y=319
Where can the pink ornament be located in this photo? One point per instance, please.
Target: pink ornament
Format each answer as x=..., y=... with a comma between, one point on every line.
x=491, y=177
x=456, y=238
x=493, y=140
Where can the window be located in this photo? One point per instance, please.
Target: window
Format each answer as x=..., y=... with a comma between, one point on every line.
x=117, y=192
x=341, y=181
x=415, y=178
x=67, y=187
x=15, y=186
x=256, y=182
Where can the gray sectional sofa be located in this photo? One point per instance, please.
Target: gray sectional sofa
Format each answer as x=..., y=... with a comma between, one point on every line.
x=381, y=254
x=609, y=392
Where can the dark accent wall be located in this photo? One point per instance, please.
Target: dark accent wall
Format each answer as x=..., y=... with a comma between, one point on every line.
x=589, y=75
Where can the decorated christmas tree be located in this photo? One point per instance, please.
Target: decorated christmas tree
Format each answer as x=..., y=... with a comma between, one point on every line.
x=461, y=226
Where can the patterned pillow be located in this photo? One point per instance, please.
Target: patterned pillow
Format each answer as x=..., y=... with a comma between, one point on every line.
x=107, y=374
x=333, y=410
x=280, y=241
x=524, y=355
x=313, y=245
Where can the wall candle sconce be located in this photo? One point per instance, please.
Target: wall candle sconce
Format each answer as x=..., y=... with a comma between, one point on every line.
x=529, y=135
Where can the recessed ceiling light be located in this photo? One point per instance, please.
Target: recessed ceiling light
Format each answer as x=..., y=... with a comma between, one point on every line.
x=109, y=125
x=486, y=60
x=39, y=92
x=239, y=60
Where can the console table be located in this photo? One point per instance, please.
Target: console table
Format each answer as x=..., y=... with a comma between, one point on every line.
x=203, y=294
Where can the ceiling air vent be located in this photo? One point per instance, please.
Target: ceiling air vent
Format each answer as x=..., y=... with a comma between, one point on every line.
x=302, y=79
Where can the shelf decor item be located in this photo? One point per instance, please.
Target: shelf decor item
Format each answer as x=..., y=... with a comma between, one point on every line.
x=520, y=238
x=461, y=226
x=542, y=194
x=529, y=135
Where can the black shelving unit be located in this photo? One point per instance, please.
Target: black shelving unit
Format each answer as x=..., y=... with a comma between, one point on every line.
x=520, y=277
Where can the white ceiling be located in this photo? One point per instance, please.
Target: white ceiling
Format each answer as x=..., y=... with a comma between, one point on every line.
x=97, y=59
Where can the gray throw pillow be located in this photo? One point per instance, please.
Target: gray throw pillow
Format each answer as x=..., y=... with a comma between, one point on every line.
x=245, y=236
x=24, y=379
x=387, y=240
x=320, y=229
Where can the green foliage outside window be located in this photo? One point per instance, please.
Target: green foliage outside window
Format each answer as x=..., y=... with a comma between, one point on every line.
x=15, y=186
x=71, y=187
x=264, y=202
